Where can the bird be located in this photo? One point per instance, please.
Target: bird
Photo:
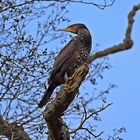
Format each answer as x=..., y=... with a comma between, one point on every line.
x=70, y=58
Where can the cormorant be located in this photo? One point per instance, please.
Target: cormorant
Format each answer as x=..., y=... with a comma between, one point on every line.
x=71, y=57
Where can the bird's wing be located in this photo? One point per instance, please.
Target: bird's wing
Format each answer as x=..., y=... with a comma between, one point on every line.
x=63, y=56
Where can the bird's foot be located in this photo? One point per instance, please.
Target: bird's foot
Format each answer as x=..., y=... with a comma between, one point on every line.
x=75, y=80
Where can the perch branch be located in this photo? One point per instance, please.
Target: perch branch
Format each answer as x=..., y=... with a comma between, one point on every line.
x=55, y=109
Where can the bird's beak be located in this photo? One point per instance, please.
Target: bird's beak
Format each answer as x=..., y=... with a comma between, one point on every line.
x=64, y=29
x=67, y=30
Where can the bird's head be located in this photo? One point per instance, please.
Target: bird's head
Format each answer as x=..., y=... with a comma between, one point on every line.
x=74, y=28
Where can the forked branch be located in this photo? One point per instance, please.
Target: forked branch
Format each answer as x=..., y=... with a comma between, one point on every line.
x=127, y=42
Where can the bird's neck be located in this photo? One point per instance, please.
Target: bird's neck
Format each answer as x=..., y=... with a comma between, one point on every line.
x=85, y=36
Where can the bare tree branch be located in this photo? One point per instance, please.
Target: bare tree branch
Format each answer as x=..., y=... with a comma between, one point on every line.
x=86, y=117
x=12, y=131
x=127, y=41
x=58, y=130
x=11, y=6
x=101, y=6
x=96, y=136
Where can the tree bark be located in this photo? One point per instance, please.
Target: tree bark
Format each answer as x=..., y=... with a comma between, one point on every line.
x=54, y=110
x=12, y=131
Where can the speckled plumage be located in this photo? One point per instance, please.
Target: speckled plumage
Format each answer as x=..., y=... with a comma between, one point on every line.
x=71, y=57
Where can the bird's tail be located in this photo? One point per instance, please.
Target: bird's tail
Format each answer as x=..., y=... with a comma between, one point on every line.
x=46, y=97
